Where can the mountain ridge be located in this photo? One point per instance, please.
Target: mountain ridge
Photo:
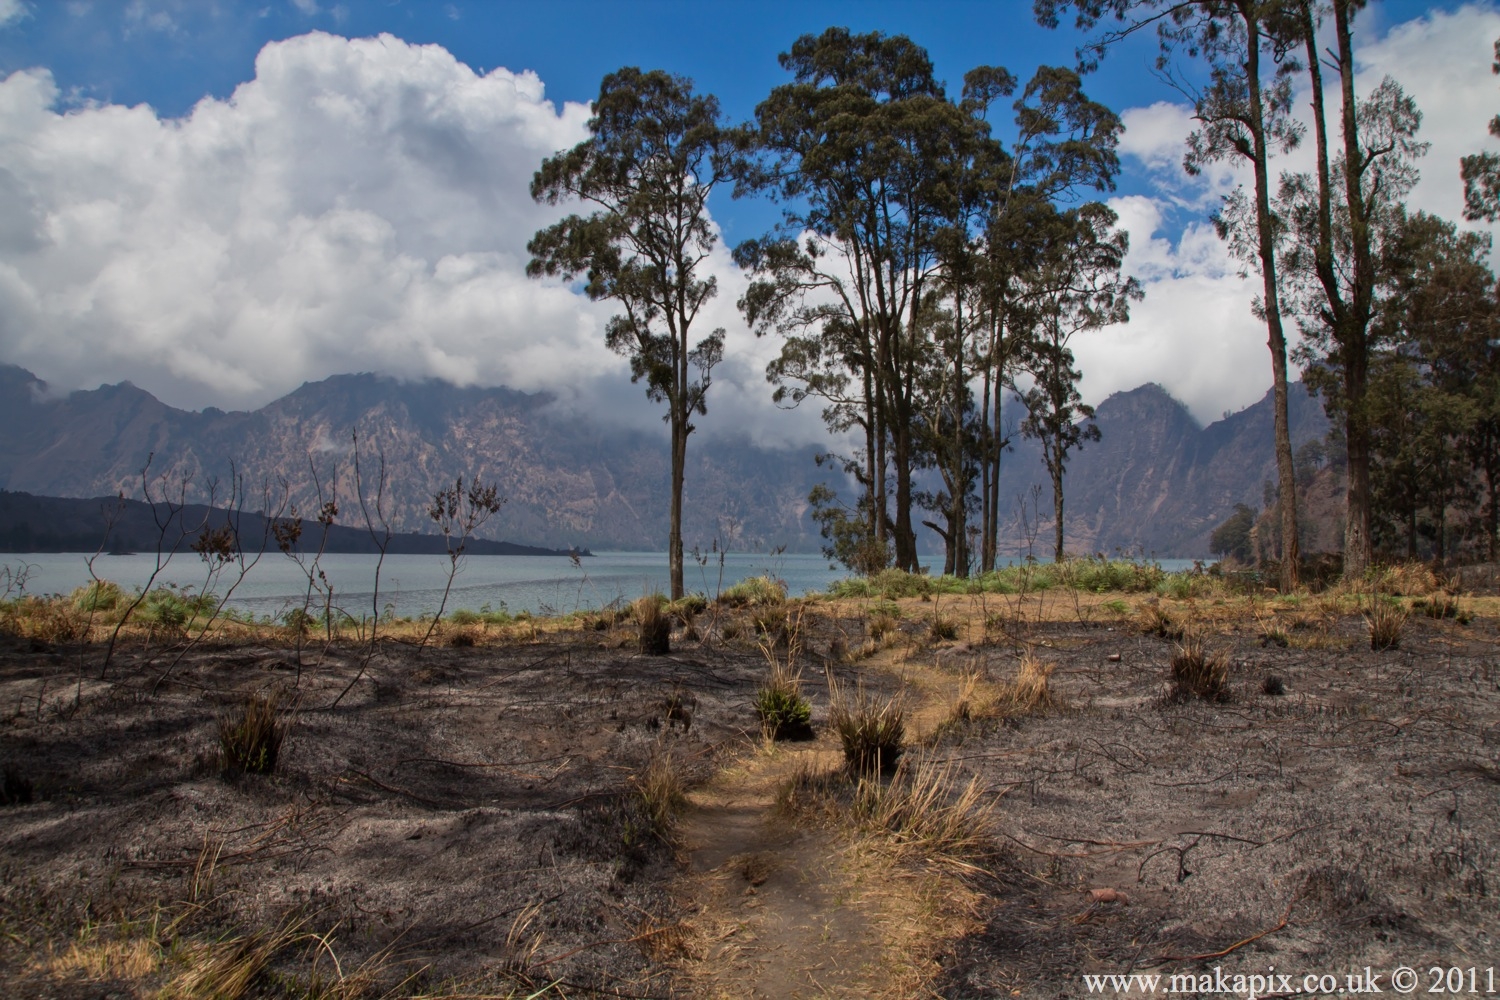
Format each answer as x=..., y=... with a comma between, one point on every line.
x=1156, y=484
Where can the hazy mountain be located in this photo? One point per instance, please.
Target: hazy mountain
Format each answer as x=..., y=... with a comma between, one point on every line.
x=1157, y=482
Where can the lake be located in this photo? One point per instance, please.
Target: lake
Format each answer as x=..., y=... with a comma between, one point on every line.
x=412, y=585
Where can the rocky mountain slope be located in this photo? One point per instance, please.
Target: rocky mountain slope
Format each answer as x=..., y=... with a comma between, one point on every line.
x=1156, y=484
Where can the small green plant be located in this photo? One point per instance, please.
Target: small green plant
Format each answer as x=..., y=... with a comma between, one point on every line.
x=1116, y=607
x=1387, y=620
x=463, y=616
x=783, y=712
x=685, y=609
x=1276, y=636
x=250, y=739
x=871, y=730
x=1197, y=673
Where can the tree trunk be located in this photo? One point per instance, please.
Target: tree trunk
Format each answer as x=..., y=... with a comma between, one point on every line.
x=906, y=547
x=1056, y=469
x=674, y=543
x=1353, y=337
x=1276, y=337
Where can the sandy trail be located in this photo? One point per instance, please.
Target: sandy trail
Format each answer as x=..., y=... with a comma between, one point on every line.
x=780, y=909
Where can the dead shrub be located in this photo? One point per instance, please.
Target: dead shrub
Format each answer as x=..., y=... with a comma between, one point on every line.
x=871, y=730
x=1032, y=690
x=655, y=625
x=1273, y=686
x=250, y=739
x=465, y=639
x=1197, y=673
x=1387, y=620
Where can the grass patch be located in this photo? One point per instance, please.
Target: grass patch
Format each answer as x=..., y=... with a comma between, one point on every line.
x=754, y=591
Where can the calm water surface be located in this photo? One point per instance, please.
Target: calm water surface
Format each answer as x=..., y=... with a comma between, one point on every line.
x=412, y=585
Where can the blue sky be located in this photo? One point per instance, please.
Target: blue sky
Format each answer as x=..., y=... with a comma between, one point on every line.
x=210, y=201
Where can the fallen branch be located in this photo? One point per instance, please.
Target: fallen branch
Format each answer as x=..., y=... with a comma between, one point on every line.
x=1285, y=917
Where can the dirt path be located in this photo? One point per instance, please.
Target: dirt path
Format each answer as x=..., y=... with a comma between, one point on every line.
x=781, y=910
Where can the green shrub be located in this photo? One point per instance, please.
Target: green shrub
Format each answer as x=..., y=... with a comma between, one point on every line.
x=754, y=591
x=463, y=616
x=686, y=608
x=783, y=712
x=98, y=596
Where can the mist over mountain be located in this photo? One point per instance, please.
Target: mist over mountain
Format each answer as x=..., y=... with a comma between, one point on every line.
x=1157, y=483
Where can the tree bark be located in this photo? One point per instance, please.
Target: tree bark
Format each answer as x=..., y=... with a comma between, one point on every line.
x=1276, y=336
x=1353, y=338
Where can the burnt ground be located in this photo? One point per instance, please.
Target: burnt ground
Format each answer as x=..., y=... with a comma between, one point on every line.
x=1352, y=820
x=467, y=821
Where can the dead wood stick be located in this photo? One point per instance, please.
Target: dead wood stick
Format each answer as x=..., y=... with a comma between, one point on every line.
x=401, y=791
x=1285, y=917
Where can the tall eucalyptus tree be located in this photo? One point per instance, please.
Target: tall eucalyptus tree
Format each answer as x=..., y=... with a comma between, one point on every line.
x=655, y=152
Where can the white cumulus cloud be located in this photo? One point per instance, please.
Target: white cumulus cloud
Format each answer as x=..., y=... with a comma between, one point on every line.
x=360, y=205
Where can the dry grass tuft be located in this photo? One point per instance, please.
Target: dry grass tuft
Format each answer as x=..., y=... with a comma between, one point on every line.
x=1032, y=691
x=1387, y=620
x=655, y=624
x=942, y=627
x=250, y=739
x=660, y=791
x=227, y=969
x=871, y=730
x=44, y=619
x=1154, y=620
x=883, y=623
x=1197, y=673
x=1409, y=579
x=924, y=814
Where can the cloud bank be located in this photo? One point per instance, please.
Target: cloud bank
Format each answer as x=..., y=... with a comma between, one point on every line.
x=363, y=205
